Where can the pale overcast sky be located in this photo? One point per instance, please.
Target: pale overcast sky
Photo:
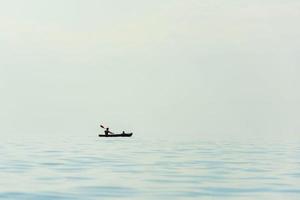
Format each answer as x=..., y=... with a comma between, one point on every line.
x=205, y=69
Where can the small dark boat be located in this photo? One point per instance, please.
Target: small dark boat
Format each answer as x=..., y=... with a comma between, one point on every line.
x=117, y=135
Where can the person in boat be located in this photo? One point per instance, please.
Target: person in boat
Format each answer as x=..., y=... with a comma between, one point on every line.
x=107, y=131
x=123, y=132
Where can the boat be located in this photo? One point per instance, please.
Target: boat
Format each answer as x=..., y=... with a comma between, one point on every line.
x=117, y=135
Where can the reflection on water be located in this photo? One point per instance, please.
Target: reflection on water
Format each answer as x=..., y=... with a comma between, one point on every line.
x=128, y=168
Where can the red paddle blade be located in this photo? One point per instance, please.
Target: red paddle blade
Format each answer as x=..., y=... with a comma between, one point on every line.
x=101, y=126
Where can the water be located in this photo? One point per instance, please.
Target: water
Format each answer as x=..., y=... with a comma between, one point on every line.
x=130, y=168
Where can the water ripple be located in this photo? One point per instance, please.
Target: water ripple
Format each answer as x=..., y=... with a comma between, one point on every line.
x=133, y=169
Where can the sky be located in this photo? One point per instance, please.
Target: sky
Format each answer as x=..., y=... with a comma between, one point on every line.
x=220, y=69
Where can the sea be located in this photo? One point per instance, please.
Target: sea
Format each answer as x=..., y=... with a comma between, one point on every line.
x=134, y=168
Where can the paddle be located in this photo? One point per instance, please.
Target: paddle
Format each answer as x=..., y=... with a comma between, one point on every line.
x=105, y=128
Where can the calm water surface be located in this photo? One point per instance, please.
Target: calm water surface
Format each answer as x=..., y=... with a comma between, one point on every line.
x=130, y=168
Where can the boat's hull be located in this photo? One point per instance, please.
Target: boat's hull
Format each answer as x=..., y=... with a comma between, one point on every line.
x=117, y=135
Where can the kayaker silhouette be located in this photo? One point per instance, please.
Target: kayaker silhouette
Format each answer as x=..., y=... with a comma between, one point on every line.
x=107, y=131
